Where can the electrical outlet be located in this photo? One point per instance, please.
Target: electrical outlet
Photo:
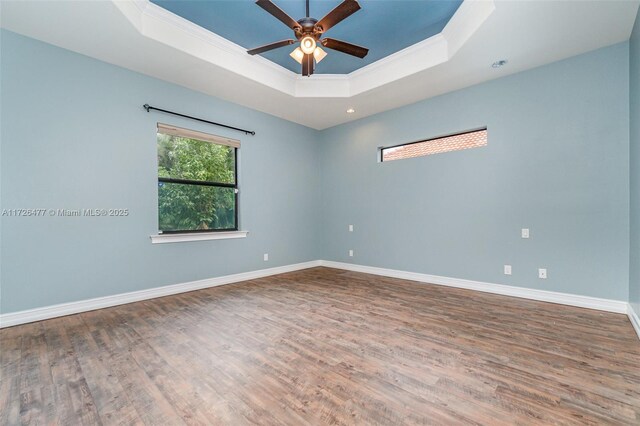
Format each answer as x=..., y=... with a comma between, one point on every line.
x=542, y=273
x=525, y=232
x=266, y=257
x=350, y=228
x=507, y=269
x=350, y=253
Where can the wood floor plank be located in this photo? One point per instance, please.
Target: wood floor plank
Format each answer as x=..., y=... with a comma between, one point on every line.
x=10, y=360
x=323, y=346
x=97, y=362
x=66, y=375
x=124, y=385
x=37, y=404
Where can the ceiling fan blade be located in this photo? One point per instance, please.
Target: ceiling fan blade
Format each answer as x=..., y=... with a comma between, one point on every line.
x=307, y=65
x=278, y=13
x=271, y=46
x=342, y=11
x=344, y=47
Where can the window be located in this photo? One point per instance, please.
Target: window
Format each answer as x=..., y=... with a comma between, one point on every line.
x=197, y=181
x=457, y=142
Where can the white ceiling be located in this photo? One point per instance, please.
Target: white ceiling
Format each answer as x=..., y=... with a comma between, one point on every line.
x=143, y=37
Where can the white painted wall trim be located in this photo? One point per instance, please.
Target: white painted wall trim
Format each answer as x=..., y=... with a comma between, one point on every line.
x=196, y=236
x=156, y=23
x=635, y=320
x=608, y=305
x=39, y=314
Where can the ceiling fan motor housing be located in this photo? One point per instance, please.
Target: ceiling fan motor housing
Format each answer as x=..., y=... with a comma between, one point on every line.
x=308, y=32
x=308, y=27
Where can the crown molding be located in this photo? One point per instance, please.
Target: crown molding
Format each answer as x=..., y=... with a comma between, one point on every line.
x=125, y=33
x=158, y=24
x=323, y=86
x=418, y=57
x=465, y=22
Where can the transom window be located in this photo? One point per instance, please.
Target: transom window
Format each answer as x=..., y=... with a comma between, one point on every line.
x=197, y=181
x=456, y=142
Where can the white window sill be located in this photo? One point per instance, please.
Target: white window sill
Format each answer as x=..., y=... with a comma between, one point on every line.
x=196, y=236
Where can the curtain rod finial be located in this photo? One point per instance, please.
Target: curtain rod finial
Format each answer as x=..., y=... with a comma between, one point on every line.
x=146, y=106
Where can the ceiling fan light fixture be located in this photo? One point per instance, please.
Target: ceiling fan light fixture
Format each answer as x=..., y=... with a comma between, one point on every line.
x=297, y=54
x=308, y=45
x=308, y=30
x=319, y=54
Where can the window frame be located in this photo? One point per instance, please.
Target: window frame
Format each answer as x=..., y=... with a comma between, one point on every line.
x=383, y=148
x=179, y=181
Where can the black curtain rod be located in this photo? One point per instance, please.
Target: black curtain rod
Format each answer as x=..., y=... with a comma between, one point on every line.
x=149, y=108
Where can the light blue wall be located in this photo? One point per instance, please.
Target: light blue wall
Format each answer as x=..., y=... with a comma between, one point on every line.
x=557, y=162
x=74, y=135
x=634, y=136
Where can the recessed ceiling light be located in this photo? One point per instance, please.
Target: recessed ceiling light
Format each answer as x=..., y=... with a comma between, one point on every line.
x=351, y=111
x=500, y=63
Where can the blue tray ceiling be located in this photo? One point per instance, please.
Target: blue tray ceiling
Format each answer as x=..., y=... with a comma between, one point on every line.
x=384, y=26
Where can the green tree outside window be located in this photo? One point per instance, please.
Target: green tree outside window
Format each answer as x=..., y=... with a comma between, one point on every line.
x=204, y=202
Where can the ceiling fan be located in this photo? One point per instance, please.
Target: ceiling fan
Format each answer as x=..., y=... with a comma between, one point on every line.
x=308, y=31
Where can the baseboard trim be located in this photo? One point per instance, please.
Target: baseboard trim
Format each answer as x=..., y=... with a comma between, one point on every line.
x=635, y=320
x=63, y=309
x=608, y=305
